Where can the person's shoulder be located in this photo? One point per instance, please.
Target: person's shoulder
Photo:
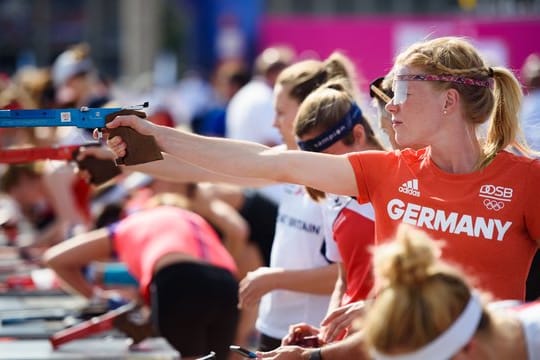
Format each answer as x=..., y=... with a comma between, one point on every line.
x=511, y=158
x=520, y=166
x=528, y=312
x=370, y=156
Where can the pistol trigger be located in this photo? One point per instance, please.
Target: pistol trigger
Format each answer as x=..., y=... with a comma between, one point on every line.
x=99, y=134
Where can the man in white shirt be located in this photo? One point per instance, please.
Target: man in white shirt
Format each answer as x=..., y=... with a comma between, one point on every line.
x=250, y=113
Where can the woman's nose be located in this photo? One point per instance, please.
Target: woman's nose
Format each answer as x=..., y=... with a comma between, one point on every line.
x=391, y=107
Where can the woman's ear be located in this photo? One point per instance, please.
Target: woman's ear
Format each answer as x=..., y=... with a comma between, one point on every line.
x=451, y=101
x=359, y=133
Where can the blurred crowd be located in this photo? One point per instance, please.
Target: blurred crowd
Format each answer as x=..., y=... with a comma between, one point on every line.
x=46, y=202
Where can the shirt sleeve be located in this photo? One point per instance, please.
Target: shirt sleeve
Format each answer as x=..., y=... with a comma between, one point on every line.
x=370, y=168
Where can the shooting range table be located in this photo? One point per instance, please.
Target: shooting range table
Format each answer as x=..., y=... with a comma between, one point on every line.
x=90, y=349
x=22, y=301
x=48, y=305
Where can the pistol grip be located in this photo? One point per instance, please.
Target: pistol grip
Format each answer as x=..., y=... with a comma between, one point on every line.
x=139, y=148
x=100, y=170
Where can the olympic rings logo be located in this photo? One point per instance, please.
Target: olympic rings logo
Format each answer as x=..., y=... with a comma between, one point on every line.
x=491, y=204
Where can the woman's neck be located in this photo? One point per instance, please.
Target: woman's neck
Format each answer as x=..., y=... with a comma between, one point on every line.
x=457, y=153
x=455, y=162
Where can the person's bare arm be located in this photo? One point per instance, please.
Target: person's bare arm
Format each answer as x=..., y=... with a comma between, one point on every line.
x=349, y=348
x=69, y=257
x=339, y=289
x=265, y=279
x=319, y=280
x=352, y=347
x=246, y=159
x=174, y=169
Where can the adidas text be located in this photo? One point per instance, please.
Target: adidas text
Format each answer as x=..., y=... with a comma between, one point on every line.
x=410, y=187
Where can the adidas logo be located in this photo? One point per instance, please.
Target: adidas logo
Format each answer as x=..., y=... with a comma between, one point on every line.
x=410, y=187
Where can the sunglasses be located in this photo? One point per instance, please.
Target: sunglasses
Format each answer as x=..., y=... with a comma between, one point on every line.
x=375, y=91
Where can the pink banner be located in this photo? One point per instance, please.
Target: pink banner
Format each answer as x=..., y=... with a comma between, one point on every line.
x=372, y=42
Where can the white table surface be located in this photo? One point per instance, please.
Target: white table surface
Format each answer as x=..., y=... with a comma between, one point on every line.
x=91, y=349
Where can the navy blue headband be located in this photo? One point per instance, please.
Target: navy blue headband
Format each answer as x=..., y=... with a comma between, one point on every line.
x=335, y=133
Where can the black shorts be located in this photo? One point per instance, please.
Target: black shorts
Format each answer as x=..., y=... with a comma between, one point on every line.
x=194, y=307
x=268, y=343
x=261, y=214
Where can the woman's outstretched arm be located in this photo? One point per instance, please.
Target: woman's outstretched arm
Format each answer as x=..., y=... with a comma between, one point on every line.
x=330, y=173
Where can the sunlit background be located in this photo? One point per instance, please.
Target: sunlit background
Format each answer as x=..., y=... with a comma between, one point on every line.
x=158, y=41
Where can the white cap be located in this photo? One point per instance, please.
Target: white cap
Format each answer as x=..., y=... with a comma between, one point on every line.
x=70, y=63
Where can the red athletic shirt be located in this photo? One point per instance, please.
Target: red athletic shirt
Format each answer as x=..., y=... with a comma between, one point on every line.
x=142, y=238
x=490, y=218
x=353, y=230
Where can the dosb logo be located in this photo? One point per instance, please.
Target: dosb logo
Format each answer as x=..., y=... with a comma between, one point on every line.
x=496, y=192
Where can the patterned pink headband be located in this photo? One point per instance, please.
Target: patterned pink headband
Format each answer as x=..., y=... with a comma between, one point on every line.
x=488, y=83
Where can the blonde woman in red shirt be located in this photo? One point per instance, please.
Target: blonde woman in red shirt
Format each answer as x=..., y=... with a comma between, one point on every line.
x=471, y=191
